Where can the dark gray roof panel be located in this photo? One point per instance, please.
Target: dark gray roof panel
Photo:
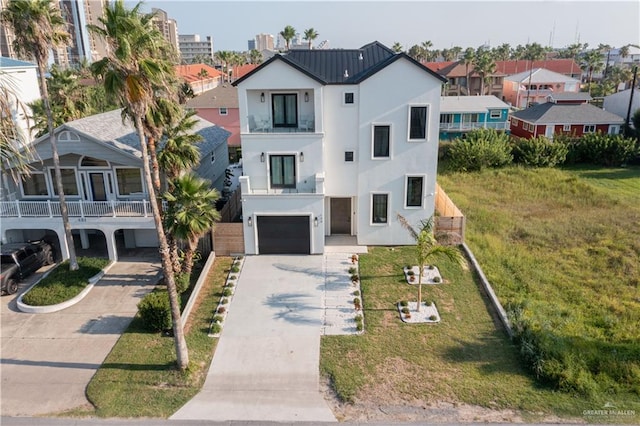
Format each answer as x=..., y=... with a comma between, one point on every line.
x=552, y=113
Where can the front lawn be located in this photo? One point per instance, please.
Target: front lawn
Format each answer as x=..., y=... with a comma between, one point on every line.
x=139, y=378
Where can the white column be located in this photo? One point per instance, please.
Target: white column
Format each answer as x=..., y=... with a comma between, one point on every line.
x=110, y=237
x=84, y=239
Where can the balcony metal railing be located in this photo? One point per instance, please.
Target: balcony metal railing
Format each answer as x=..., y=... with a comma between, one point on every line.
x=473, y=125
x=260, y=124
x=81, y=209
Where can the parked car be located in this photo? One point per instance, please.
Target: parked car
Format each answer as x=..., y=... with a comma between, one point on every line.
x=19, y=260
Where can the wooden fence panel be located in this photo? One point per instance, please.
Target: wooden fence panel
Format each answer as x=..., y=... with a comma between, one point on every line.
x=450, y=219
x=228, y=238
x=232, y=208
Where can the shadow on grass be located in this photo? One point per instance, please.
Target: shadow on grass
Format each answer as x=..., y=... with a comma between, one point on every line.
x=489, y=351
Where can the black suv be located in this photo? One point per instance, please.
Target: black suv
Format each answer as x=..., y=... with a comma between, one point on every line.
x=19, y=260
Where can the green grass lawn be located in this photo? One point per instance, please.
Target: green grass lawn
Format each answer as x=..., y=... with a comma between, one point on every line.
x=138, y=378
x=545, y=239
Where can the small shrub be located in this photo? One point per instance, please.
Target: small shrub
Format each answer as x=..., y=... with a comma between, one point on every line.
x=155, y=311
x=356, y=301
x=232, y=277
x=224, y=301
x=358, y=318
x=437, y=279
x=353, y=270
x=539, y=152
x=405, y=310
x=240, y=257
x=221, y=309
x=410, y=272
x=230, y=284
x=431, y=267
x=235, y=268
x=217, y=318
x=404, y=303
x=355, y=278
x=215, y=328
x=359, y=326
x=183, y=281
x=227, y=292
x=356, y=293
x=433, y=318
x=412, y=278
x=407, y=315
x=482, y=148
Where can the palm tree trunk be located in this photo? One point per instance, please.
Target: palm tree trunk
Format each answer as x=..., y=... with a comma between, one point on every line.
x=182, y=353
x=73, y=262
x=420, y=287
x=154, y=163
x=192, y=245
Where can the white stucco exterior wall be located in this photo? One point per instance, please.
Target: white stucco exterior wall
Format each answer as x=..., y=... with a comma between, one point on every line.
x=22, y=85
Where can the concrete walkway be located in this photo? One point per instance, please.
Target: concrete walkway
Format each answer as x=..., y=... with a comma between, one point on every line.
x=48, y=359
x=266, y=365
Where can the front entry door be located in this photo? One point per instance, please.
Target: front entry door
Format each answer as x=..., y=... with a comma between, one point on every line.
x=341, y=216
x=100, y=185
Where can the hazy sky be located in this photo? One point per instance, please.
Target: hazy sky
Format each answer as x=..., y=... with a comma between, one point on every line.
x=445, y=23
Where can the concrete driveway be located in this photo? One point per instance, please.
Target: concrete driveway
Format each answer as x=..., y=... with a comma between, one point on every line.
x=48, y=359
x=265, y=367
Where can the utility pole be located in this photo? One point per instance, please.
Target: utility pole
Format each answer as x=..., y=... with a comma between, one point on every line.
x=627, y=123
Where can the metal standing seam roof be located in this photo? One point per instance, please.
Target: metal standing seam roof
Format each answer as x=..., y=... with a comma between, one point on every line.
x=109, y=129
x=571, y=96
x=551, y=113
x=451, y=104
x=541, y=75
x=341, y=66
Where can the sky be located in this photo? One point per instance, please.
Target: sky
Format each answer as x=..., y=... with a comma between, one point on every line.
x=445, y=23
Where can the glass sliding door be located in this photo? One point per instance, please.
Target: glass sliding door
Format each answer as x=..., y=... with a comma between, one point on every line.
x=285, y=110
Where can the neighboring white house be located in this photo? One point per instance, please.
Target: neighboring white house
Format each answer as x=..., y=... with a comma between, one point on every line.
x=101, y=166
x=336, y=142
x=19, y=81
x=618, y=103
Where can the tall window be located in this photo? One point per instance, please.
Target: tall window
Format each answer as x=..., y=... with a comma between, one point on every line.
x=446, y=118
x=283, y=171
x=69, y=182
x=379, y=208
x=34, y=185
x=285, y=110
x=415, y=185
x=381, y=141
x=589, y=128
x=129, y=181
x=418, y=122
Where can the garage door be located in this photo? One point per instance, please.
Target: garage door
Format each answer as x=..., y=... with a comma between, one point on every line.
x=284, y=235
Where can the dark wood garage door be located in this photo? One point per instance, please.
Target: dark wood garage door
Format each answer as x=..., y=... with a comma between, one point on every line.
x=284, y=235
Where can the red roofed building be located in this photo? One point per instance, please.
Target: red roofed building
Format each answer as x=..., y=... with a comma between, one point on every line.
x=568, y=67
x=242, y=70
x=201, y=77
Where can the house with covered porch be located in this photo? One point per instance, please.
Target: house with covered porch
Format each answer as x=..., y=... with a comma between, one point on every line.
x=461, y=114
x=107, y=200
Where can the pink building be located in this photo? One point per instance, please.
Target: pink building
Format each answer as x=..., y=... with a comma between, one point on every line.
x=220, y=106
x=533, y=87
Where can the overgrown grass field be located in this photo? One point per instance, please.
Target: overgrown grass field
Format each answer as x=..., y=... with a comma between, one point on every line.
x=562, y=250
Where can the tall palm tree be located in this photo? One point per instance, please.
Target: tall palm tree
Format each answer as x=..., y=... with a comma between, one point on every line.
x=255, y=56
x=38, y=26
x=502, y=52
x=455, y=52
x=591, y=62
x=428, y=249
x=191, y=213
x=202, y=74
x=533, y=52
x=517, y=54
x=310, y=35
x=288, y=34
x=133, y=72
x=224, y=56
x=485, y=66
x=179, y=152
x=467, y=59
x=397, y=47
x=15, y=149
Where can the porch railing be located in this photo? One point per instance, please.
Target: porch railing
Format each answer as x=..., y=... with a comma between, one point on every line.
x=473, y=125
x=82, y=209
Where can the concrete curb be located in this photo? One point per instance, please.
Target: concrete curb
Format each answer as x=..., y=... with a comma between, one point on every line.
x=502, y=314
x=196, y=290
x=29, y=309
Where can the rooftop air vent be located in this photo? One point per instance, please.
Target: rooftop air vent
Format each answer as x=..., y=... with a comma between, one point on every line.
x=346, y=73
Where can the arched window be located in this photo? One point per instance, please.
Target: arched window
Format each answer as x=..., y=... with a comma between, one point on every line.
x=68, y=136
x=93, y=162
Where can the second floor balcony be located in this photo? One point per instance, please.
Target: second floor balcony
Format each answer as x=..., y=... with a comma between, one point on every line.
x=281, y=111
x=76, y=209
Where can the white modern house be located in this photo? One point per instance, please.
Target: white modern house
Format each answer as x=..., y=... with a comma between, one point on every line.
x=336, y=142
x=618, y=103
x=107, y=200
x=19, y=83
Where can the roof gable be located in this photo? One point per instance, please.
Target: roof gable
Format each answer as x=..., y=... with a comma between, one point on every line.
x=459, y=104
x=15, y=63
x=541, y=75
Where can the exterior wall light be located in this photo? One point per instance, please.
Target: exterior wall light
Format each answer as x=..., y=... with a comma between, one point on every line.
x=249, y=221
x=262, y=157
x=262, y=97
x=315, y=221
x=306, y=96
x=301, y=157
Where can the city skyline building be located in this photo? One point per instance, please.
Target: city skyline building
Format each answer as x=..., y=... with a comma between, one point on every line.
x=191, y=47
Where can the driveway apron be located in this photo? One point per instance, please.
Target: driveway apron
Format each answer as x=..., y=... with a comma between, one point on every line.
x=48, y=359
x=266, y=364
